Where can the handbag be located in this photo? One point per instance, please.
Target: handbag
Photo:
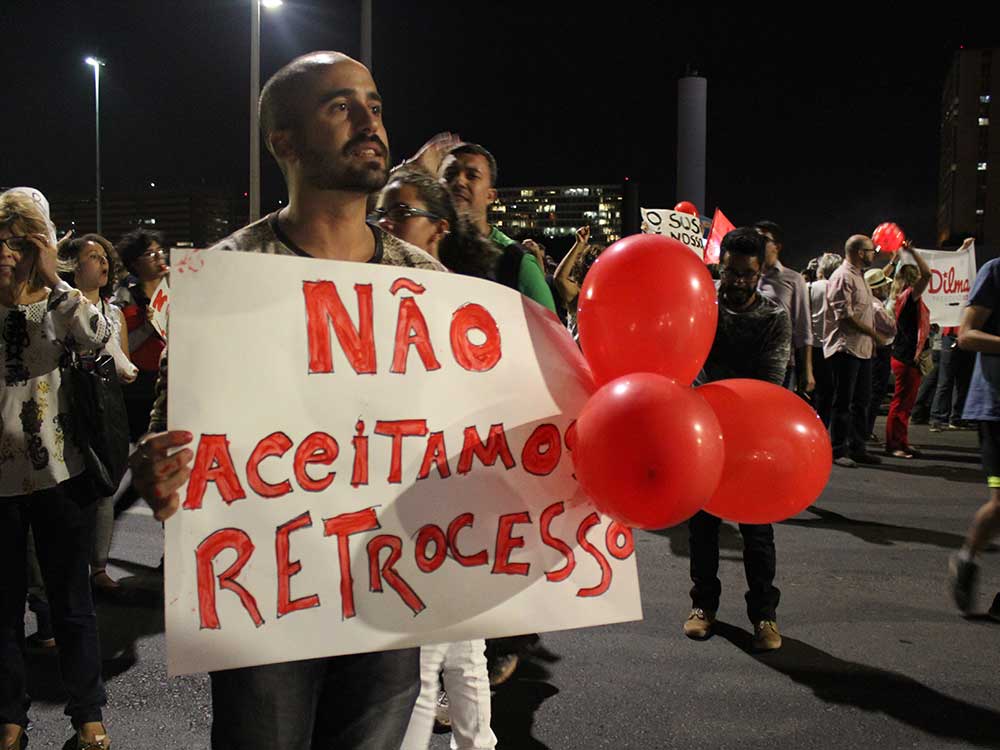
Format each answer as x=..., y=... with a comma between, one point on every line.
x=925, y=363
x=98, y=418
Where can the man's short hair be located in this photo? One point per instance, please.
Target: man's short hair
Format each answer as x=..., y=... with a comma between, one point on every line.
x=281, y=105
x=744, y=241
x=856, y=243
x=776, y=232
x=475, y=148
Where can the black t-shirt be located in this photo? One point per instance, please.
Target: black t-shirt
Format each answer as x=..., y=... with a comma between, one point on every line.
x=904, y=347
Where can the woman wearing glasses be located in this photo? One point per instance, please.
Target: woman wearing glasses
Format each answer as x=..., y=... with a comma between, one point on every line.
x=42, y=482
x=416, y=208
x=142, y=253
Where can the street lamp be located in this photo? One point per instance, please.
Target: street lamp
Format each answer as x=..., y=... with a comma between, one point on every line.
x=254, y=96
x=97, y=65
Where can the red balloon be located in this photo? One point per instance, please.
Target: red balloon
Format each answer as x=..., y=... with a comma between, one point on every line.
x=686, y=207
x=648, y=451
x=888, y=237
x=778, y=453
x=648, y=304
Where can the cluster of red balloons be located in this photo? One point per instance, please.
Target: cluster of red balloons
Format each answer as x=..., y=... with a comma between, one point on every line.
x=888, y=237
x=651, y=450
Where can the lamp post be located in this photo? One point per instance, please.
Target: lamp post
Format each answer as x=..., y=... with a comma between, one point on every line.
x=254, y=96
x=97, y=65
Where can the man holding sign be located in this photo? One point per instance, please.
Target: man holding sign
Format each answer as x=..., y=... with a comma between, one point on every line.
x=322, y=120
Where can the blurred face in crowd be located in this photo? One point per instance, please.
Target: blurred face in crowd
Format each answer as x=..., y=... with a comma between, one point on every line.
x=771, y=251
x=16, y=256
x=340, y=142
x=91, y=267
x=868, y=255
x=738, y=276
x=881, y=293
x=404, y=214
x=467, y=177
x=152, y=264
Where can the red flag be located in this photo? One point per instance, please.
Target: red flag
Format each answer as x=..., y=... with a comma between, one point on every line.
x=721, y=226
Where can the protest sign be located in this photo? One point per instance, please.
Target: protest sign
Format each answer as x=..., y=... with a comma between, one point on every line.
x=382, y=459
x=952, y=274
x=682, y=227
x=160, y=305
x=721, y=226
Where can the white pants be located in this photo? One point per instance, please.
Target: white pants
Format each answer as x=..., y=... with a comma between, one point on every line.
x=468, y=686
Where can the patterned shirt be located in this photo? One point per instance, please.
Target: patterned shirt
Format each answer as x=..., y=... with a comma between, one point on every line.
x=266, y=236
x=36, y=446
x=753, y=343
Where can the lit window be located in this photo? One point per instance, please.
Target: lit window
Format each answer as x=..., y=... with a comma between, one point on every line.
x=527, y=193
x=984, y=99
x=983, y=121
x=979, y=212
x=981, y=166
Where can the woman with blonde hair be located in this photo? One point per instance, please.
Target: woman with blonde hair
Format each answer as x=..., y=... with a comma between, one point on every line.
x=913, y=325
x=43, y=486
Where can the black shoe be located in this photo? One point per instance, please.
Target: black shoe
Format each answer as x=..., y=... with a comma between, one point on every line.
x=866, y=458
x=962, y=575
x=994, y=610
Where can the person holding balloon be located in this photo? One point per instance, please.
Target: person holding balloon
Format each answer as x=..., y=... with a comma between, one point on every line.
x=752, y=340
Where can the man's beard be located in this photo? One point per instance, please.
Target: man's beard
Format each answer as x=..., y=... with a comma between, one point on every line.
x=325, y=171
x=737, y=296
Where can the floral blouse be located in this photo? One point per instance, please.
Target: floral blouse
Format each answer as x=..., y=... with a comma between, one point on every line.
x=36, y=448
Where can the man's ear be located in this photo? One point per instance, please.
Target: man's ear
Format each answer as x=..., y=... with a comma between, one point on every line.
x=280, y=144
x=492, y=194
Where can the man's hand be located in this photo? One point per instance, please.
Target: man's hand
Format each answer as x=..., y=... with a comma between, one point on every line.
x=807, y=384
x=156, y=475
x=583, y=235
x=537, y=250
x=432, y=153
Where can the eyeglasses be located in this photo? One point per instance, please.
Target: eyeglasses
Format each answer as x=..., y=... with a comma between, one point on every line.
x=745, y=278
x=402, y=212
x=17, y=244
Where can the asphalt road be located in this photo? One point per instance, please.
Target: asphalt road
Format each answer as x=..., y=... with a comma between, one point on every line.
x=873, y=656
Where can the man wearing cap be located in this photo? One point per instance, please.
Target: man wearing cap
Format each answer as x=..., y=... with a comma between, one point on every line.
x=885, y=325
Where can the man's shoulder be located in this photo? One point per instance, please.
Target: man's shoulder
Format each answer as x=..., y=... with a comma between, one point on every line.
x=397, y=252
x=769, y=308
x=257, y=237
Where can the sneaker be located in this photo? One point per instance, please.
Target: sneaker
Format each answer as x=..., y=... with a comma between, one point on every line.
x=994, y=610
x=442, y=716
x=937, y=427
x=501, y=668
x=846, y=461
x=699, y=624
x=766, y=636
x=866, y=458
x=962, y=575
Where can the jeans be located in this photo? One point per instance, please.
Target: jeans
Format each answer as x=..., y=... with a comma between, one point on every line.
x=759, y=565
x=852, y=388
x=58, y=517
x=354, y=702
x=468, y=687
x=823, y=395
x=898, y=422
x=880, y=380
x=38, y=600
x=955, y=372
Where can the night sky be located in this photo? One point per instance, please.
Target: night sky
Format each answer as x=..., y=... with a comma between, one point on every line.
x=828, y=124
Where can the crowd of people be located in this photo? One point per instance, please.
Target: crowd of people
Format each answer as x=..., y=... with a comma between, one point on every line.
x=836, y=334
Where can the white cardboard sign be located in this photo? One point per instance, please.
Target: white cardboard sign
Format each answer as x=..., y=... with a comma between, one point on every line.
x=684, y=228
x=952, y=274
x=382, y=460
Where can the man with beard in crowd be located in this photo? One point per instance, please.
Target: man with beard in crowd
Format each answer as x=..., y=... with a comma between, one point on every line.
x=752, y=340
x=321, y=116
x=849, y=346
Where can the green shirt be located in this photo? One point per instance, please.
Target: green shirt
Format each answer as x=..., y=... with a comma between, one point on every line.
x=530, y=276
